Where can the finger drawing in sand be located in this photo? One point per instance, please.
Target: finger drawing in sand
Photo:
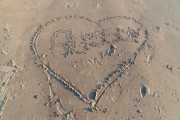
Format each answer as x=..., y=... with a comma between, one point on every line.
x=55, y=45
x=89, y=60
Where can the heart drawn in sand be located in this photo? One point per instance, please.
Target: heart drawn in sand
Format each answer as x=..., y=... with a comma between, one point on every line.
x=88, y=56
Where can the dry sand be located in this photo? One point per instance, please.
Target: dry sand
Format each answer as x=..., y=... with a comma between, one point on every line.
x=90, y=60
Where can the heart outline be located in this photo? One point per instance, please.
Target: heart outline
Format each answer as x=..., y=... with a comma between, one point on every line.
x=61, y=79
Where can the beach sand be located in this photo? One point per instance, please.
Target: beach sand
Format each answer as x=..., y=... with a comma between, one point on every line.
x=90, y=60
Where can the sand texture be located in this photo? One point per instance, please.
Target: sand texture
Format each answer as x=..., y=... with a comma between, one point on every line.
x=89, y=60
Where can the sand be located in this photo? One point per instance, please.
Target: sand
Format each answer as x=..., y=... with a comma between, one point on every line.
x=90, y=60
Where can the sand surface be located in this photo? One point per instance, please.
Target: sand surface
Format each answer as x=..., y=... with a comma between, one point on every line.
x=90, y=60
